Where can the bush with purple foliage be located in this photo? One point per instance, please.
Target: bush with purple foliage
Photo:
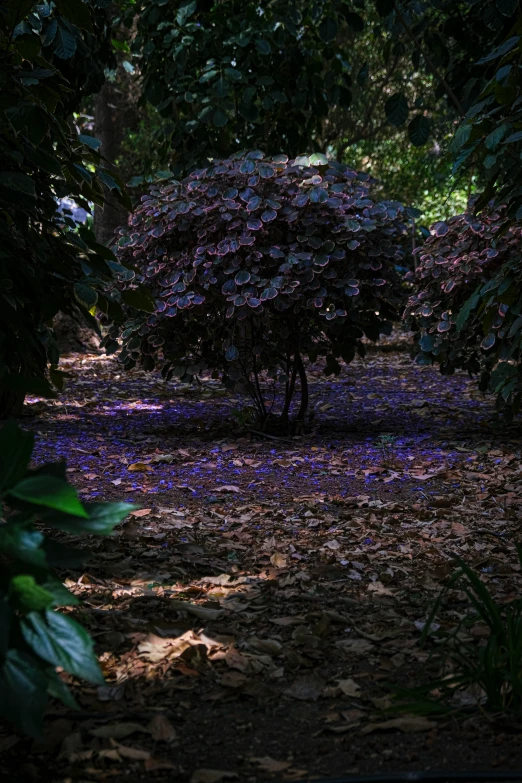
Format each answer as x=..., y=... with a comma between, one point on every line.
x=467, y=306
x=257, y=263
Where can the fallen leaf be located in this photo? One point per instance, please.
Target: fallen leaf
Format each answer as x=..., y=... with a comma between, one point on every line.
x=227, y=488
x=268, y=764
x=161, y=729
x=144, y=466
x=141, y=512
x=349, y=687
x=136, y=754
x=278, y=560
x=409, y=724
x=305, y=689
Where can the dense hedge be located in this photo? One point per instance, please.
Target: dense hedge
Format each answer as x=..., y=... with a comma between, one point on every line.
x=467, y=304
x=257, y=262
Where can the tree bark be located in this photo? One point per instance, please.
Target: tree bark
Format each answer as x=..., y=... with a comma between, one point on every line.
x=108, y=128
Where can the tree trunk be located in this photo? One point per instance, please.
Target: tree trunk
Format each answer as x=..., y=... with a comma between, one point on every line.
x=108, y=128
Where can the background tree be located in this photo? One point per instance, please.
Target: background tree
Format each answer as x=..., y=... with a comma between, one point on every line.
x=48, y=263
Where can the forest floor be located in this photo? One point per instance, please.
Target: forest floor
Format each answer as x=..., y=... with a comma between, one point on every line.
x=255, y=614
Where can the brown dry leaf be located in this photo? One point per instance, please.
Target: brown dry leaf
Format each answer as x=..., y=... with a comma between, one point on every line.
x=355, y=646
x=278, y=560
x=212, y=776
x=144, y=466
x=155, y=648
x=117, y=730
x=136, y=754
x=233, y=679
x=141, y=512
x=161, y=729
x=268, y=764
x=409, y=724
x=349, y=687
x=307, y=688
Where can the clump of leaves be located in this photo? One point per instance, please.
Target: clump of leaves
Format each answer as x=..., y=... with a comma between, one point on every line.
x=44, y=159
x=488, y=668
x=256, y=263
x=34, y=638
x=467, y=304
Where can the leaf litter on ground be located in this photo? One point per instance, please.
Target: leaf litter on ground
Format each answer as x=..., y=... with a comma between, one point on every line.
x=294, y=576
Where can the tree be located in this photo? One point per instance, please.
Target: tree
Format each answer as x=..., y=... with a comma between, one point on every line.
x=472, y=51
x=256, y=263
x=467, y=305
x=49, y=263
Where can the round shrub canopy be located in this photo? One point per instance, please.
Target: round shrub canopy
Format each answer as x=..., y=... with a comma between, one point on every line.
x=257, y=262
x=468, y=301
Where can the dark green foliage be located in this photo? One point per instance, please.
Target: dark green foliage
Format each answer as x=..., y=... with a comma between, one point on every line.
x=468, y=302
x=223, y=72
x=47, y=263
x=34, y=639
x=256, y=262
x=473, y=51
x=487, y=666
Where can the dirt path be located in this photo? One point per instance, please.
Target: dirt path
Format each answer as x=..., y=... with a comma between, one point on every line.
x=255, y=615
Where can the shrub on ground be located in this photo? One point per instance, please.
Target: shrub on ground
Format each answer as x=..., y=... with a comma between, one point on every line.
x=256, y=263
x=467, y=305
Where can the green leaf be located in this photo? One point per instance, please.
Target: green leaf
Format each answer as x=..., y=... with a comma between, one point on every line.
x=328, y=29
x=495, y=137
x=232, y=353
x=102, y=518
x=419, y=130
x=64, y=44
x=27, y=595
x=466, y=309
x=16, y=447
x=501, y=50
x=61, y=641
x=50, y=492
x=23, y=692
x=15, y=180
x=219, y=118
x=140, y=299
x=318, y=159
x=85, y=295
x=95, y=144
x=513, y=137
x=76, y=12
x=396, y=109
x=20, y=541
x=507, y=7
x=263, y=46
x=59, y=690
